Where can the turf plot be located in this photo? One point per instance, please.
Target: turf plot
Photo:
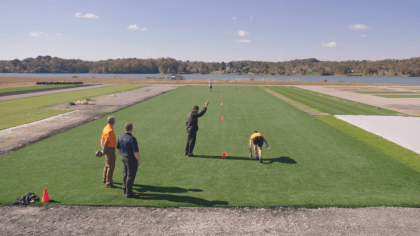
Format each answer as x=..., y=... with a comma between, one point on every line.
x=36, y=87
x=22, y=111
x=329, y=104
x=310, y=163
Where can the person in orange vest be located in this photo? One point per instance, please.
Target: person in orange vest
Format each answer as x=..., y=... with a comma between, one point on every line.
x=257, y=139
x=108, y=143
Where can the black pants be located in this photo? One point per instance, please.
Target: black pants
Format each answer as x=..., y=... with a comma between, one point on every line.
x=192, y=136
x=129, y=174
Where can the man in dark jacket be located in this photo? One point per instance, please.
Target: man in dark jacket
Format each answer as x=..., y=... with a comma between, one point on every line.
x=127, y=147
x=192, y=128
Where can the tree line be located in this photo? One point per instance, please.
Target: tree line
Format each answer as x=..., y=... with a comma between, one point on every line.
x=48, y=64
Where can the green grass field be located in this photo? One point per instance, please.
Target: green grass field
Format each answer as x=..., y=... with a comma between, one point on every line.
x=387, y=92
x=22, y=111
x=36, y=87
x=329, y=104
x=310, y=164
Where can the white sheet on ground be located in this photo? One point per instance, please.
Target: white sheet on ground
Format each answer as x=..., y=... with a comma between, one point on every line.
x=404, y=131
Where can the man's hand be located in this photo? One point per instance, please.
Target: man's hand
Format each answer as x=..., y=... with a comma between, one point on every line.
x=138, y=162
x=250, y=155
x=206, y=104
x=268, y=146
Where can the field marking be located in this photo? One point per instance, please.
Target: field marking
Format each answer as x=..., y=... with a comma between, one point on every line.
x=404, y=131
x=298, y=105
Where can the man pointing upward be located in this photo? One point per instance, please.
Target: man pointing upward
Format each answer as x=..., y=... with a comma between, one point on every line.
x=192, y=128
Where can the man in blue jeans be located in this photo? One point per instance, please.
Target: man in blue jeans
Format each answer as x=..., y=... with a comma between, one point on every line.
x=128, y=148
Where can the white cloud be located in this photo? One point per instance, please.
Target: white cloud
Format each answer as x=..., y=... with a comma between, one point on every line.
x=135, y=27
x=242, y=33
x=88, y=15
x=252, y=17
x=35, y=34
x=329, y=45
x=242, y=41
x=58, y=34
x=358, y=27
x=234, y=19
x=362, y=35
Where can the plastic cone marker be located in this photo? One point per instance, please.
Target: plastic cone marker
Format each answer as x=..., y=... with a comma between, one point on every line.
x=45, y=197
x=223, y=118
x=222, y=95
x=221, y=104
x=224, y=154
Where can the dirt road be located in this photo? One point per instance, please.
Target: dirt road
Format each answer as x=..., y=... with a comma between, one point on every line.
x=79, y=220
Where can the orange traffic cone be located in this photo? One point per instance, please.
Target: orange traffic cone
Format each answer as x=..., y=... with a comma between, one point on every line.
x=224, y=154
x=223, y=118
x=239, y=90
x=221, y=104
x=222, y=95
x=221, y=90
x=45, y=197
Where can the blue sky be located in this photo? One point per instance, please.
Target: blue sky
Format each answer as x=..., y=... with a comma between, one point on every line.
x=264, y=30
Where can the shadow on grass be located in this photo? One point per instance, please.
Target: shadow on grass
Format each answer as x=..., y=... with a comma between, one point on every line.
x=157, y=194
x=282, y=159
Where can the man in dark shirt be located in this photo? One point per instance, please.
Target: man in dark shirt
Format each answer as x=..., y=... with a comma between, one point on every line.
x=192, y=128
x=128, y=148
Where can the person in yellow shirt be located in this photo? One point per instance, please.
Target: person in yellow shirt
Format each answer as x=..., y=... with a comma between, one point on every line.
x=257, y=139
x=108, y=143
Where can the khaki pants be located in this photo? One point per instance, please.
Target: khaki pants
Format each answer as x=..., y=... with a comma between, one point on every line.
x=109, y=165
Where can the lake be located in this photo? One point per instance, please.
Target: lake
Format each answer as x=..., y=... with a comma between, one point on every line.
x=316, y=78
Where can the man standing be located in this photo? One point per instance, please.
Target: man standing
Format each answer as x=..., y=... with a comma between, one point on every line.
x=108, y=143
x=257, y=139
x=210, y=86
x=128, y=149
x=192, y=128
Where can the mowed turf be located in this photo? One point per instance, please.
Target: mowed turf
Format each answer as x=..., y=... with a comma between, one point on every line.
x=329, y=104
x=36, y=87
x=310, y=163
x=26, y=110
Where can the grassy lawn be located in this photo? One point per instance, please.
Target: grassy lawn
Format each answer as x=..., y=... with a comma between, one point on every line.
x=36, y=87
x=310, y=163
x=26, y=110
x=329, y=104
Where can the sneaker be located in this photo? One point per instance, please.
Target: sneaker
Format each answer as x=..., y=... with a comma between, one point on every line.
x=110, y=186
x=191, y=155
x=257, y=158
x=261, y=160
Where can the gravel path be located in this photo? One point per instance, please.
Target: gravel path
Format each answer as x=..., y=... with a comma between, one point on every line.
x=404, y=131
x=79, y=220
x=409, y=106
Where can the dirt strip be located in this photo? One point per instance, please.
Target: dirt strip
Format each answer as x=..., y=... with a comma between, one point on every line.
x=24, y=135
x=409, y=106
x=79, y=220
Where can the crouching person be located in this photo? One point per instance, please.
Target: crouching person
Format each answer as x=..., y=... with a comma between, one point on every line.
x=128, y=149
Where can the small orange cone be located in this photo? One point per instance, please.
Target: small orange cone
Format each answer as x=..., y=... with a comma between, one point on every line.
x=222, y=95
x=223, y=118
x=221, y=90
x=45, y=197
x=224, y=154
x=221, y=104
x=239, y=90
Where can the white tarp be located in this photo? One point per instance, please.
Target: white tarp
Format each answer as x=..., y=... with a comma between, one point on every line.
x=404, y=131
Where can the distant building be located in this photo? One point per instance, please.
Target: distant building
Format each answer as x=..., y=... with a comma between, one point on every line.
x=311, y=70
x=232, y=69
x=254, y=70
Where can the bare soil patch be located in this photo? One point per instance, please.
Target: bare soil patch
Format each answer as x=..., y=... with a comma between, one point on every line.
x=80, y=220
